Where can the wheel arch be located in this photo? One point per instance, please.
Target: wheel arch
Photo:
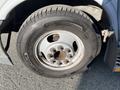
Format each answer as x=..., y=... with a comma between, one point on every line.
x=23, y=8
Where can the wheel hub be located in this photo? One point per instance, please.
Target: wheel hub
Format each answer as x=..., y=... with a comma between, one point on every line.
x=59, y=49
x=59, y=54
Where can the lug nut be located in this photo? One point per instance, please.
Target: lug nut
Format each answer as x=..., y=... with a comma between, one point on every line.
x=60, y=63
x=60, y=48
x=53, y=50
x=68, y=50
x=50, y=55
x=70, y=56
x=53, y=61
x=66, y=61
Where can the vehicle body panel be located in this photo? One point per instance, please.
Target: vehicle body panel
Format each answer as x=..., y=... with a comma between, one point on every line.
x=2, y=2
x=118, y=16
x=7, y=6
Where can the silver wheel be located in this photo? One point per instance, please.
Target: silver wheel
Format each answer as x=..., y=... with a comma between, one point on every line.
x=59, y=50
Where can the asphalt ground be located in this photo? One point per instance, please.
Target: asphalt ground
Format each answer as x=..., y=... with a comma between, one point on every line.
x=19, y=77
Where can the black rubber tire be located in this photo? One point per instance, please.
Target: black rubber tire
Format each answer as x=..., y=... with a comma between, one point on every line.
x=56, y=16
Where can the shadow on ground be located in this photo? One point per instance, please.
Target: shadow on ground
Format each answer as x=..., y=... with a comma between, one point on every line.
x=99, y=78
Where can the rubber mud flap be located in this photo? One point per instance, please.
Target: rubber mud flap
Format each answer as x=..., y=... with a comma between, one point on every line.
x=111, y=52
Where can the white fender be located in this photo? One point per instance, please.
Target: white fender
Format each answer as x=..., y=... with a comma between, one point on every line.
x=7, y=7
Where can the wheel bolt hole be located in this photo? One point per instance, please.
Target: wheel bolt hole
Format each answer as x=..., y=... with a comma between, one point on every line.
x=75, y=47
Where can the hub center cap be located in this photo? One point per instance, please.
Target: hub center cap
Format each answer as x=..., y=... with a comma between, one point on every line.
x=60, y=55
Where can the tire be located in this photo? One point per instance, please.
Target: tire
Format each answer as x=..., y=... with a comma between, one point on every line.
x=67, y=20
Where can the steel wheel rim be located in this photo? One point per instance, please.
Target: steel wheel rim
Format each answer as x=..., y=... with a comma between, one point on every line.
x=56, y=51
